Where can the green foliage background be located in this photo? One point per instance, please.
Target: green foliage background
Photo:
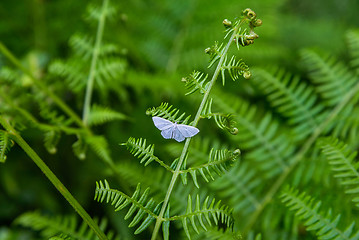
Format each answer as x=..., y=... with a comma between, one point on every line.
x=157, y=43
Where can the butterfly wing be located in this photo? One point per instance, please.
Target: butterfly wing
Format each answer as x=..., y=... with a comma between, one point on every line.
x=187, y=131
x=168, y=132
x=161, y=123
x=177, y=135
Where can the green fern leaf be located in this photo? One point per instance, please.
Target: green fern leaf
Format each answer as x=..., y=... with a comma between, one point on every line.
x=203, y=215
x=61, y=227
x=259, y=137
x=352, y=38
x=197, y=81
x=79, y=148
x=83, y=47
x=139, y=149
x=219, y=161
x=5, y=144
x=235, y=69
x=342, y=160
x=241, y=187
x=223, y=121
x=215, y=53
x=94, y=12
x=333, y=80
x=109, y=70
x=72, y=71
x=139, y=202
x=308, y=209
x=51, y=139
x=100, y=146
x=293, y=98
x=100, y=115
x=167, y=111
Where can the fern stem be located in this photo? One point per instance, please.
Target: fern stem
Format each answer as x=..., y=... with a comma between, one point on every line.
x=96, y=50
x=52, y=177
x=176, y=173
x=40, y=85
x=299, y=156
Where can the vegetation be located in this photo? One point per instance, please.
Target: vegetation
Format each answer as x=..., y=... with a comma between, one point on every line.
x=275, y=157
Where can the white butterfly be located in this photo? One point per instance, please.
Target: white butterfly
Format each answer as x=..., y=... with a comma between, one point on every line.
x=173, y=130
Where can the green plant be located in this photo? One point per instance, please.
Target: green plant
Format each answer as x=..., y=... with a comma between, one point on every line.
x=219, y=160
x=287, y=116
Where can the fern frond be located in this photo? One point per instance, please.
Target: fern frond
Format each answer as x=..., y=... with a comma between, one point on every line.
x=226, y=121
x=215, y=53
x=65, y=226
x=240, y=187
x=100, y=146
x=100, y=115
x=259, y=137
x=196, y=81
x=51, y=140
x=5, y=144
x=220, y=214
x=223, y=121
x=167, y=111
x=308, y=209
x=235, y=69
x=352, y=38
x=219, y=161
x=79, y=148
x=137, y=201
x=344, y=165
x=94, y=12
x=72, y=71
x=139, y=149
x=109, y=70
x=83, y=46
x=333, y=79
x=292, y=98
x=222, y=234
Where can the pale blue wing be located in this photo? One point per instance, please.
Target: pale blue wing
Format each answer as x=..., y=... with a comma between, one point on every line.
x=177, y=135
x=162, y=123
x=168, y=133
x=187, y=131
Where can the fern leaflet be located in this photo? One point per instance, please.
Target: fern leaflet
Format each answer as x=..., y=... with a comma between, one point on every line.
x=266, y=146
x=61, y=227
x=216, y=211
x=219, y=161
x=100, y=115
x=326, y=74
x=167, y=111
x=235, y=69
x=223, y=121
x=139, y=149
x=138, y=202
x=292, y=98
x=342, y=160
x=240, y=186
x=353, y=45
x=324, y=225
x=196, y=81
x=5, y=144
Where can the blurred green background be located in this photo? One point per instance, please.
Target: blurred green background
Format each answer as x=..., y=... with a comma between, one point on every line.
x=161, y=42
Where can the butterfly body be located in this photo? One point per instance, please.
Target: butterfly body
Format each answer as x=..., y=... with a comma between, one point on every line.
x=170, y=130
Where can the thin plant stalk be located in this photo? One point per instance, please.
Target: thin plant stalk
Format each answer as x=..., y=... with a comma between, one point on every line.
x=92, y=73
x=52, y=177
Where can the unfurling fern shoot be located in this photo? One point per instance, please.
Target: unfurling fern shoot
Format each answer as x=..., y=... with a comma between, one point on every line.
x=206, y=211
